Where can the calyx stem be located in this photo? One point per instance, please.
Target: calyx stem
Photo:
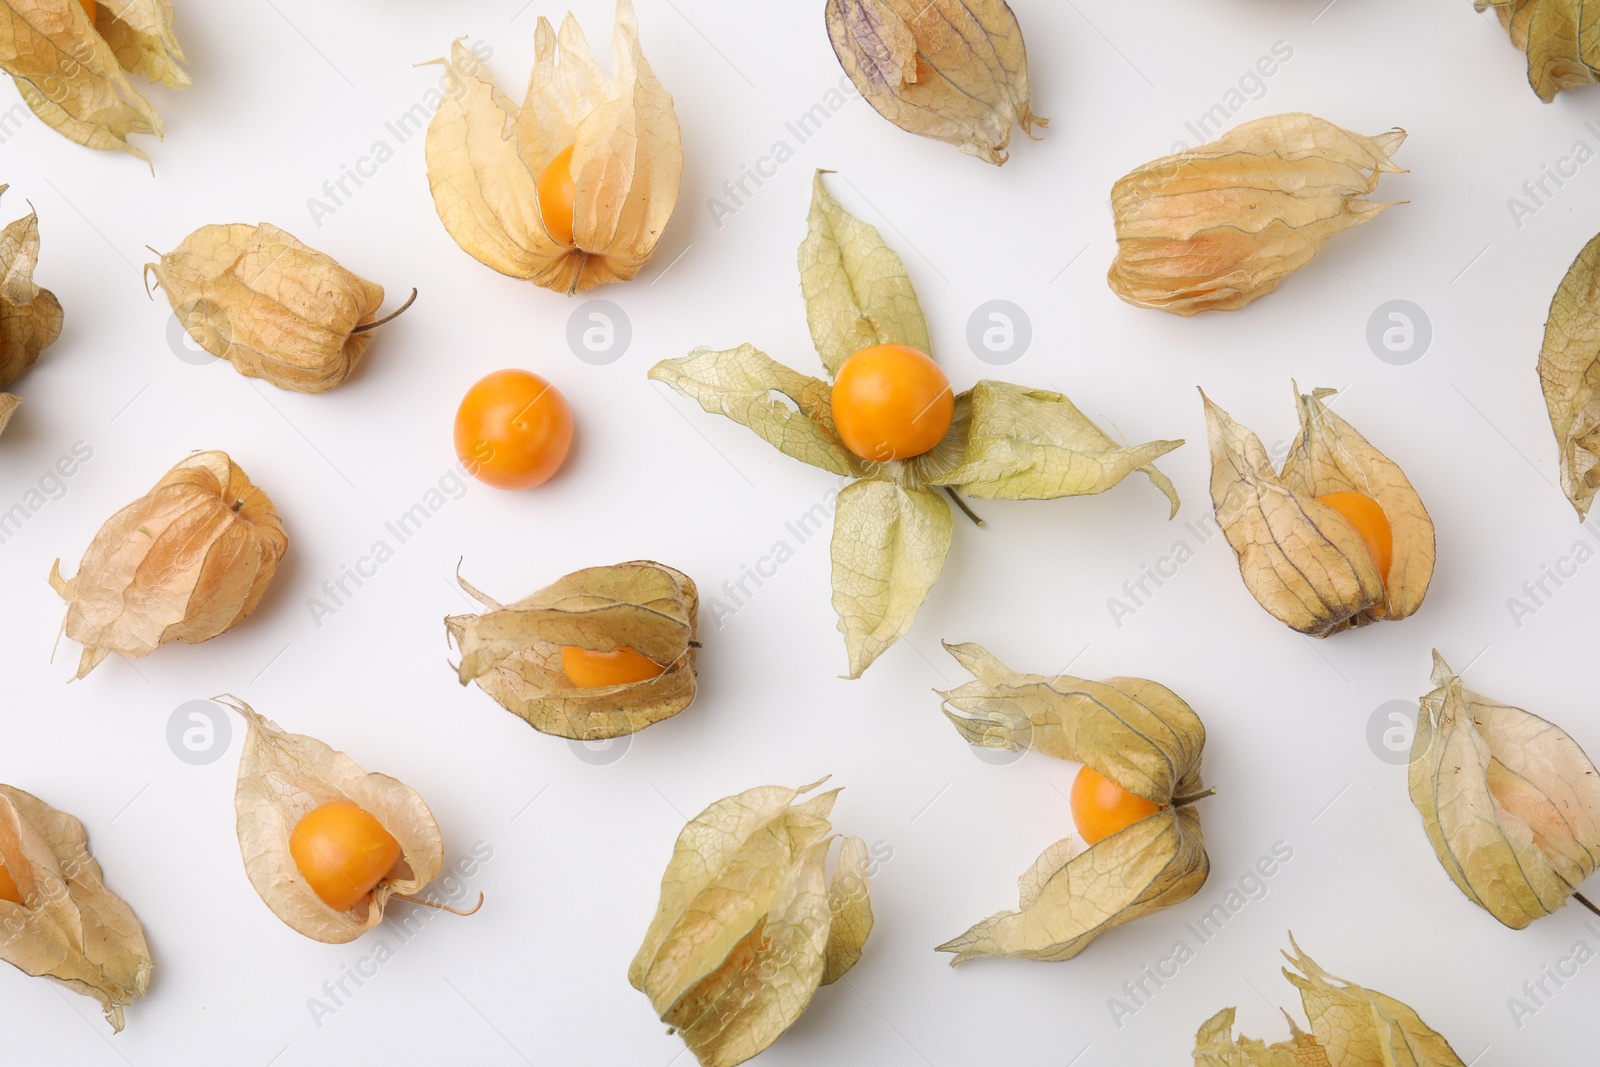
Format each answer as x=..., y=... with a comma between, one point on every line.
x=436, y=904
x=962, y=504
x=1180, y=802
x=395, y=314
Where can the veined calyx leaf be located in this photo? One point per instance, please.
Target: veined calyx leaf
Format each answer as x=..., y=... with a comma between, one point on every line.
x=1560, y=37
x=1303, y=560
x=30, y=317
x=1135, y=732
x=954, y=70
x=750, y=923
x=514, y=652
x=1213, y=228
x=1510, y=803
x=891, y=527
x=69, y=67
x=1350, y=1027
x=69, y=927
x=1569, y=373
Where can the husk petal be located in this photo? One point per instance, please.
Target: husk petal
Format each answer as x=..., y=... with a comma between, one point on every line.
x=30, y=317
x=1569, y=375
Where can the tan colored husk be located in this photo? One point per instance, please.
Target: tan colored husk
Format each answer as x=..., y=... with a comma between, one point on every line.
x=513, y=651
x=1560, y=37
x=1510, y=803
x=185, y=562
x=282, y=777
x=1137, y=733
x=1302, y=560
x=71, y=73
x=749, y=924
x=1569, y=375
x=30, y=317
x=273, y=307
x=954, y=70
x=71, y=928
x=486, y=153
x=1350, y=1027
x=1213, y=228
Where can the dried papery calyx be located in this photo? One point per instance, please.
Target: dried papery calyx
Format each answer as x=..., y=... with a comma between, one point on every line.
x=273, y=307
x=750, y=923
x=57, y=918
x=185, y=562
x=953, y=70
x=1510, y=802
x=1133, y=732
x=1559, y=38
x=1338, y=538
x=69, y=65
x=573, y=187
x=602, y=652
x=30, y=317
x=293, y=793
x=1569, y=375
x=1213, y=228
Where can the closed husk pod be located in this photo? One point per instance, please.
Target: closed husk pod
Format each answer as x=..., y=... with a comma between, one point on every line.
x=1569, y=375
x=30, y=317
x=1558, y=37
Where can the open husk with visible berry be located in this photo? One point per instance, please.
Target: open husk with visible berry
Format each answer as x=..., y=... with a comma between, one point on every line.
x=30, y=317
x=283, y=777
x=513, y=651
x=70, y=927
x=1301, y=559
x=892, y=526
x=1137, y=733
x=185, y=562
x=486, y=153
x=750, y=923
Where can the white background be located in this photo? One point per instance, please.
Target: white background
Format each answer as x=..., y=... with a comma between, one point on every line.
x=288, y=91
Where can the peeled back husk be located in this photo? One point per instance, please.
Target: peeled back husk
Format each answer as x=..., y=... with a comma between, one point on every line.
x=750, y=923
x=1569, y=374
x=1137, y=733
x=486, y=154
x=1213, y=228
x=1561, y=39
x=282, y=777
x=30, y=317
x=69, y=69
x=1302, y=560
x=71, y=928
x=1510, y=803
x=273, y=307
x=185, y=562
x=954, y=70
x=1350, y=1027
x=513, y=651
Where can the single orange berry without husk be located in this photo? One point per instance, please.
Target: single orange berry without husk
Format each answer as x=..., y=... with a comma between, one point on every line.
x=513, y=430
x=8, y=886
x=1101, y=807
x=588, y=669
x=891, y=402
x=1367, y=516
x=342, y=852
x=558, y=193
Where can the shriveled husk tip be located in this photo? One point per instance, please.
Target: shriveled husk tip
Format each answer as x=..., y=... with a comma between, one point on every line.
x=485, y=154
x=1558, y=37
x=282, y=777
x=1215, y=227
x=1510, y=802
x=272, y=306
x=749, y=922
x=30, y=317
x=187, y=561
x=513, y=652
x=1302, y=560
x=1137, y=733
x=70, y=928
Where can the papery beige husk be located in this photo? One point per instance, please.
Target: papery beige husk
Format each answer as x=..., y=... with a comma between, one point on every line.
x=282, y=777
x=1510, y=803
x=69, y=69
x=71, y=928
x=750, y=923
x=954, y=70
x=1140, y=735
x=1569, y=375
x=30, y=317
x=1350, y=1027
x=1213, y=228
x=486, y=153
x=185, y=562
x=273, y=307
x=1302, y=560
x=1560, y=37
x=513, y=651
